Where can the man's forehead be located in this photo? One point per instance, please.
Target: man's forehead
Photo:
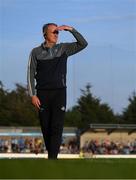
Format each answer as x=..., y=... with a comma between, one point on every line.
x=50, y=27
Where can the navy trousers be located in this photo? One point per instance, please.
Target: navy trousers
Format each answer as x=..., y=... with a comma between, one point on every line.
x=51, y=115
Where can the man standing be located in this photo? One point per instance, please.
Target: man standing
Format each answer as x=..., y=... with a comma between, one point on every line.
x=48, y=65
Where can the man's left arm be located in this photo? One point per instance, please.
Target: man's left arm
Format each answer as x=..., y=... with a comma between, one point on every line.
x=74, y=47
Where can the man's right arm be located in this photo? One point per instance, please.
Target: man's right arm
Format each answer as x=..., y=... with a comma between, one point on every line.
x=31, y=70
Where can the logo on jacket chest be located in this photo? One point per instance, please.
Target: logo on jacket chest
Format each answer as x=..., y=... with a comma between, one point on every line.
x=50, y=54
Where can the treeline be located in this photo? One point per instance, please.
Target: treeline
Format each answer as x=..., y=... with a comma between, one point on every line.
x=16, y=109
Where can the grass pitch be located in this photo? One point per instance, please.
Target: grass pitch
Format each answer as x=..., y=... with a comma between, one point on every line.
x=68, y=169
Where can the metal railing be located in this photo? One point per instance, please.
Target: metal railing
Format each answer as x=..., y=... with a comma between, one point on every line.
x=113, y=126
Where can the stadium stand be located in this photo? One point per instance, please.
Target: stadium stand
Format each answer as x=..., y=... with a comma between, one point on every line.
x=98, y=139
x=109, y=139
x=30, y=140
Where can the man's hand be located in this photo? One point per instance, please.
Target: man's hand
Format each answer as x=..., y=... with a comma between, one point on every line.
x=36, y=102
x=64, y=27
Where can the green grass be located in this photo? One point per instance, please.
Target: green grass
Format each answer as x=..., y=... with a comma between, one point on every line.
x=66, y=169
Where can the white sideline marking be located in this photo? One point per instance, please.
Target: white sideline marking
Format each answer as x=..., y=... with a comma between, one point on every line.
x=32, y=155
x=60, y=156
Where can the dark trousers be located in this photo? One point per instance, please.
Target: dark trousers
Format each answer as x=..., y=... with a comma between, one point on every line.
x=51, y=115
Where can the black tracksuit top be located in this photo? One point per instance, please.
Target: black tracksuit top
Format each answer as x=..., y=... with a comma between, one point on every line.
x=48, y=66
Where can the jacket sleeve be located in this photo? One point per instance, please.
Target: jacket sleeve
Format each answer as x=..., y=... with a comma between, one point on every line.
x=31, y=71
x=73, y=48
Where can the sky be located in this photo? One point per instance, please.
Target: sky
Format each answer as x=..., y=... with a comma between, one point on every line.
x=109, y=61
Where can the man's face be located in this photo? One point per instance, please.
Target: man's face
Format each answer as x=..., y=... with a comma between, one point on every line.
x=52, y=34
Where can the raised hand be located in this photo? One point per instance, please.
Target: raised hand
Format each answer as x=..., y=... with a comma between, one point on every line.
x=64, y=27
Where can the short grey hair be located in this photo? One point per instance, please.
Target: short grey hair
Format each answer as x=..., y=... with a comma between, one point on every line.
x=45, y=27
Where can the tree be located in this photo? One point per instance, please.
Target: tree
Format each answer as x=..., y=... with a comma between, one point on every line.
x=89, y=110
x=73, y=117
x=16, y=108
x=129, y=113
x=3, y=105
x=92, y=110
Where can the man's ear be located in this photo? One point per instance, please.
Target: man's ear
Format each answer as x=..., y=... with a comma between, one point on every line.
x=44, y=35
